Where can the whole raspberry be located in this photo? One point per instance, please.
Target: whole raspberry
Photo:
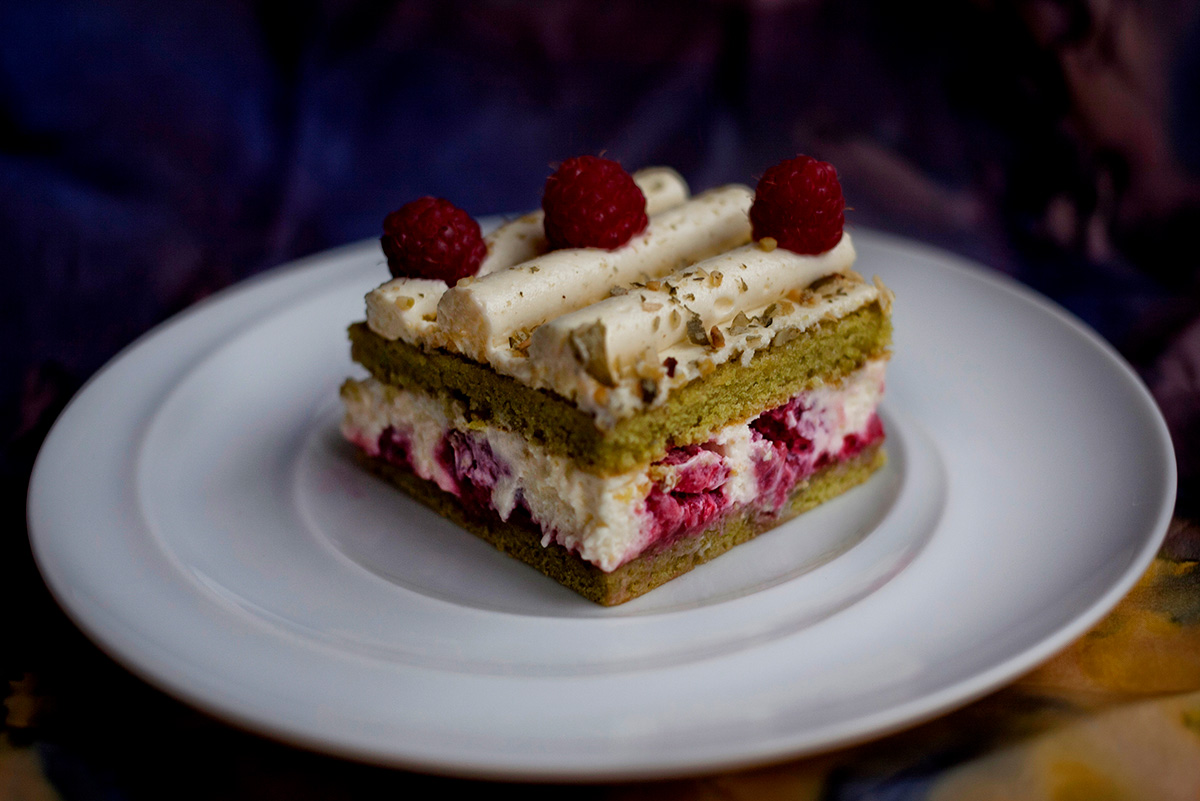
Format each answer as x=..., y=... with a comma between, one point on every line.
x=592, y=202
x=799, y=203
x=432, y=238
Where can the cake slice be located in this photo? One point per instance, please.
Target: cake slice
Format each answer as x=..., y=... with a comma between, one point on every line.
x=617, y=414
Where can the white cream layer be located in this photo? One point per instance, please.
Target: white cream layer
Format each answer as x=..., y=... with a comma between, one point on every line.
x=602, y=518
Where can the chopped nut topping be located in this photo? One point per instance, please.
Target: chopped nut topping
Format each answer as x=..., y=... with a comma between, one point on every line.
x=654, y=285
x=675, y=318
x=650, y=306
x=824, y=281
x=716, y=337
x=695, y=330
x=786, y=335
x=587, y=344
x=741, y=324
x=520, y=340
x=768, y=243
x=619, y=290
x=786, y=307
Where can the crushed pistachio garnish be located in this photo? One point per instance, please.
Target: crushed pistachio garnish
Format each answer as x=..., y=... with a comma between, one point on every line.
x=587, y=345
x=786, y=335
x=520, y=339
x=824, y=281
x=695, y=330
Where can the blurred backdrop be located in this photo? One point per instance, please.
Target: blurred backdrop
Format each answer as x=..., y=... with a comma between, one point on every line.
x=152, y=153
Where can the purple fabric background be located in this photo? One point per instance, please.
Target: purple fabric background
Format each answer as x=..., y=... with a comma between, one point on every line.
x=152, y=153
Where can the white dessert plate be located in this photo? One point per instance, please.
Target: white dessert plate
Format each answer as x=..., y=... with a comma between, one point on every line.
x=196, y=513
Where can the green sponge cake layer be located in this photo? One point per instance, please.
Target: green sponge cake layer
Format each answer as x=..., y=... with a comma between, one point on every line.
x=522, y=539
x=826, y=353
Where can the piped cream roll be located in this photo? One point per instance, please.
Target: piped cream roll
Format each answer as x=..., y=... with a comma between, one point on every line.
x=614, y=335
x=479, y=316
x=406, y=308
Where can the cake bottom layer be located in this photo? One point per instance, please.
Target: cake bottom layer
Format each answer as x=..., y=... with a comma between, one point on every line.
x=521, y=538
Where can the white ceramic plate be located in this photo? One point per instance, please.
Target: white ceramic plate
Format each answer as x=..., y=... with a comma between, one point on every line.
x=196, y=513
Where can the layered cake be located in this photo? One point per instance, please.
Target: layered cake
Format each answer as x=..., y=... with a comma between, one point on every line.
x=631, y=381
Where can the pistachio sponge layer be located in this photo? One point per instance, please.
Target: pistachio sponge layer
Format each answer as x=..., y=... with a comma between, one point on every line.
x=521, y=538
x=827, y=352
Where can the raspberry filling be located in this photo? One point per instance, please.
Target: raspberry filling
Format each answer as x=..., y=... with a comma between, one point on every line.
x=474, y=468
x=692, y=486
x=789, y=456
